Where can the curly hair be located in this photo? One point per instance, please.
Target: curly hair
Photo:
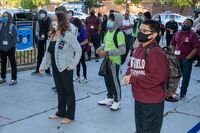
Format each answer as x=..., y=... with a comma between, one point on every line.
x=63, y=23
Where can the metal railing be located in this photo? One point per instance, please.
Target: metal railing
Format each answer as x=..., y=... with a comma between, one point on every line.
x=26, y=57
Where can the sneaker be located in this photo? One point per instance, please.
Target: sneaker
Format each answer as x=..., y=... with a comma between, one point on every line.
x=77, y=79
x=2, y=80
x=173, y=98
x=115, y=106
x=107, y=101
x=183, y=97
x=13, y=82
x=84, y=80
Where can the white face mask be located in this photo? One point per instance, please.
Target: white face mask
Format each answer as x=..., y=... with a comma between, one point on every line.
x=42, y=15
x=55, y=25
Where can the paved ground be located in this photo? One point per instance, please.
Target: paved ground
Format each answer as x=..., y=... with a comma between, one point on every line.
x=24, y=108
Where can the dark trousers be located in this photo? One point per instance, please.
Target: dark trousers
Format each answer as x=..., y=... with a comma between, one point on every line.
x=168, y=39
x=186, y=69
x=96, y=40
x=129, y=43
x=82, y=61
x=41, y=50
x=148, y=117
x=65, y=89
x=11, y=55
x=112, y=81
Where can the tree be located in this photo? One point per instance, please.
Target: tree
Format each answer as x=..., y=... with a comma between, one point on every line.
x=181, y=3
x=119, y=2
x=32, y=4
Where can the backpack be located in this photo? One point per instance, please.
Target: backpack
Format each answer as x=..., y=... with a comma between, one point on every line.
x=174, y=71
x=123, y=57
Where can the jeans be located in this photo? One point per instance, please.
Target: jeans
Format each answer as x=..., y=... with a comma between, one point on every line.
x=186, y=69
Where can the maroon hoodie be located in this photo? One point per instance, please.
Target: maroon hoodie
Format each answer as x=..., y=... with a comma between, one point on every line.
x=149, y=76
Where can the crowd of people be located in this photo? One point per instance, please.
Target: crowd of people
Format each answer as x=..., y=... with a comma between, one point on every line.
x=63, y=42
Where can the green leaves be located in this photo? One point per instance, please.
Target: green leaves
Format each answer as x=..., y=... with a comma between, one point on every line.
x=119, y=2
x=32, y=4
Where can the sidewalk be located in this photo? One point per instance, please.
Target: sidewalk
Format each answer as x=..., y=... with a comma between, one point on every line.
x=24, y=108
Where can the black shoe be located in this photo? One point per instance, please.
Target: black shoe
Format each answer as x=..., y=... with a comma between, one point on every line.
x=171, y=99
x=183, y=97
x=97, y=60
x=197, y=65
x=36, y=73
x=53, y=88
x=48, y=73
x=88, y=59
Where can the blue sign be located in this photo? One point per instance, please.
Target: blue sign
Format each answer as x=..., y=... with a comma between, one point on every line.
x=24, y=35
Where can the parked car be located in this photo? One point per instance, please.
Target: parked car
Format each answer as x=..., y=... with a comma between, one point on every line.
x=166, y=17
x=75, y=6
x=80, y=15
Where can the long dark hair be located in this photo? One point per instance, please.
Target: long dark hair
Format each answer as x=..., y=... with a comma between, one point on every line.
x=77, y=22
x=63, y=23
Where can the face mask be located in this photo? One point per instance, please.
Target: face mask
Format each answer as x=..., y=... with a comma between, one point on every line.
x=55, y=25
x=70, y=14
x=143, y=37
x=110, y=24
x=42, y=15
x=4, y=20
x=91, y=13
x=186, y=28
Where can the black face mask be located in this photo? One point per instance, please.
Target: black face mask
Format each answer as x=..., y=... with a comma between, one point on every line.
x=91, y=13
x=143, y=37
x=186, y=28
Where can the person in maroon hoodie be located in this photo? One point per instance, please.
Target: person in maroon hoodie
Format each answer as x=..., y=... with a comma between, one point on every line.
x=147, y=76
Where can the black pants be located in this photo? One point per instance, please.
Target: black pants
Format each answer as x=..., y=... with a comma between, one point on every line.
x=41, y=50
x=96, y=40
x=112, y=82
x=11, y=55
x=186, y=70
x=82, y=61
x=66, y=96
x=148, y=117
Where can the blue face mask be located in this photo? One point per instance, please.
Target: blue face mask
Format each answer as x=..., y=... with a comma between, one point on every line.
x=4, y=20
x=110, y=24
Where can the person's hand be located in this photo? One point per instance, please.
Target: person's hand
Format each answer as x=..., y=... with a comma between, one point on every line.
x=98, y=50
x=126, y=79
x=69, y=68
x=41, y=71
x=103, y=53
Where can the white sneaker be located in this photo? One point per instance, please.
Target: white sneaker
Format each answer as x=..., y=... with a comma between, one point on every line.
x=115, y=106
x=77, y=79
x=107, y=101
x=84, y=80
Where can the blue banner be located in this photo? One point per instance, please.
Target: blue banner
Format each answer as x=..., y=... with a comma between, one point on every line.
x=24, y=35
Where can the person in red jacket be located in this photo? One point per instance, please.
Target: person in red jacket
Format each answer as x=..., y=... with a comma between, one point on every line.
x=147, y=76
